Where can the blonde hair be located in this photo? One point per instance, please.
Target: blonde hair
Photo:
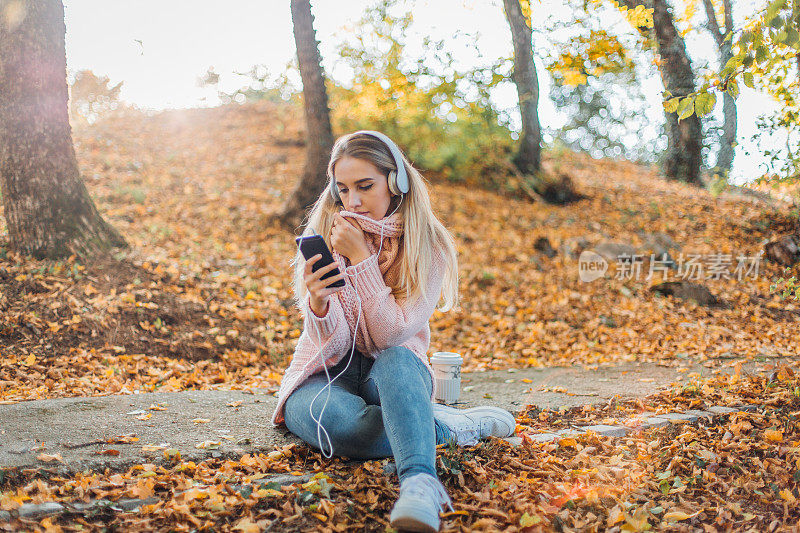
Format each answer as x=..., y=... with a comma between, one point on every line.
x=423, y=234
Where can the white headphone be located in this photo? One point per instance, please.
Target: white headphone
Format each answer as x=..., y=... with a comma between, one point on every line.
x=398, y=185
x=398, y=180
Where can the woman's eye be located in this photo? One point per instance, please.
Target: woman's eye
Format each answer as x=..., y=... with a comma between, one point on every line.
x=366, y=188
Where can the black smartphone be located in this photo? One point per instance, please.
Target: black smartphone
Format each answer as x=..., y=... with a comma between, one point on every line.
x=312, y=245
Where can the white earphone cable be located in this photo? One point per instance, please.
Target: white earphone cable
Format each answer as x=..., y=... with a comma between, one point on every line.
x=352, y=270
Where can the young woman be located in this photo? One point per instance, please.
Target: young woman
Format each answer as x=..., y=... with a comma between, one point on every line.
x=373, y=396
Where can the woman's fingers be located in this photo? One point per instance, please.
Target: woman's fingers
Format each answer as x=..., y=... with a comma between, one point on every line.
x=324, y=270
x=310, y=262
x=315, y=277
x=309, y=266
x=327, y=281
x=321, y=288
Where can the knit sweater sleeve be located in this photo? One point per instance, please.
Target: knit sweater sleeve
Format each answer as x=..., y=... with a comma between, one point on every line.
x=389, y=323
x=333, y=323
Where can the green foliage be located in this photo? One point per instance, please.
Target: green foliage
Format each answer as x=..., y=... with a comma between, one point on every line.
x=788, y=287
x=718, y=184
x=426, y=104
x=590, y=54
x=765, y=57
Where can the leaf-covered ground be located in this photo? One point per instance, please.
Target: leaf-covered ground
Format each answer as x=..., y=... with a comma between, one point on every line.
x=740, y=472
x=203, y=296
x=202, y=299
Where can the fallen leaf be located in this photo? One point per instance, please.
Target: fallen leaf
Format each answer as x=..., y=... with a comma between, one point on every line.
x=245, y=525
x=527, y=520
x=674, y=516
x=773, y=435
x=107, y=452
x=615, y=516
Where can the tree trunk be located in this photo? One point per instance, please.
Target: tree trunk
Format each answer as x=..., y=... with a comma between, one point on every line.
x=528, y=159
x=685, y=138
x=319, y=136
x=727, y=138
x=47, y=207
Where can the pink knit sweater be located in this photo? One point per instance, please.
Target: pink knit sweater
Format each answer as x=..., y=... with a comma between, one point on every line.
x=384, y=321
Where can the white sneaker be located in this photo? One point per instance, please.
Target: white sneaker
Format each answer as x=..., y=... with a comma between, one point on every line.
x=470, y=425
x=422, y=496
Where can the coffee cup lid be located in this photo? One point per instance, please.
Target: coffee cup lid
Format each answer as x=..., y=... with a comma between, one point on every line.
x=446, y=358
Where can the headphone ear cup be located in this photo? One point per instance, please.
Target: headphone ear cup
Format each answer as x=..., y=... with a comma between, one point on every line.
x=334, y=193
x=392, y=178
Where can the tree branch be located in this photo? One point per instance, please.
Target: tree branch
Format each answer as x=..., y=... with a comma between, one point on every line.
x=712, y=25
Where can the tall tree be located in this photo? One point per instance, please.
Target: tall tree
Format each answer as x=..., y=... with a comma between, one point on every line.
x=684, y=137
x=319, y=135
x=727, y=138
x=528, y=159
x=529, y=156
x=48, y=210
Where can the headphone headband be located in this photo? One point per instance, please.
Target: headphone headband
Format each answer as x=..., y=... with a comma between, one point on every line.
x=401, y=177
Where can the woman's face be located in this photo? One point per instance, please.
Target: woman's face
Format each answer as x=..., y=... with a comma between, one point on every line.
x=362, y=187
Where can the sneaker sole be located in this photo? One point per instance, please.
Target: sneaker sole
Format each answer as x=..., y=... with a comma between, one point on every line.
x=410, y=524
x=496, y=411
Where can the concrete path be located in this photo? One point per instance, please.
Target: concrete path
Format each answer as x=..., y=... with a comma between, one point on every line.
x=73, y=434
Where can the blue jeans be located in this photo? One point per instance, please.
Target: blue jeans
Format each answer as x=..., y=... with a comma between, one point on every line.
x=378, y=408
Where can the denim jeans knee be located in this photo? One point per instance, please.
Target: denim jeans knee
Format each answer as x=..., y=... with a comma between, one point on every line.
x=395, y=361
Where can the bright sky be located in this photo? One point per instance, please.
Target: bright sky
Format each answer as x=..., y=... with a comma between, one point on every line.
x=159, y=49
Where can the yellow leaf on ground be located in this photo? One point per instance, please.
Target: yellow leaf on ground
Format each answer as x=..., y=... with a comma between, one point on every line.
x=773, y=436
x=527, y=520
x=674, y=516
x=260, y=493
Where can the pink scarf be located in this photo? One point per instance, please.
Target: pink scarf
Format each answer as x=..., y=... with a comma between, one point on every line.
x=388, y=264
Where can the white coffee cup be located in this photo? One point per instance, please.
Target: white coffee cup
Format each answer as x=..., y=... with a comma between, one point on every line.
x=447, y=373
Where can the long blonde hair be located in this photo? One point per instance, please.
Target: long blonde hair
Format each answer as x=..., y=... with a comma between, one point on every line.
x=423, y=233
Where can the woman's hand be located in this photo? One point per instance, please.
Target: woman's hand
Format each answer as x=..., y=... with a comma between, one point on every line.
x=347, y=238
x=318, y=292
